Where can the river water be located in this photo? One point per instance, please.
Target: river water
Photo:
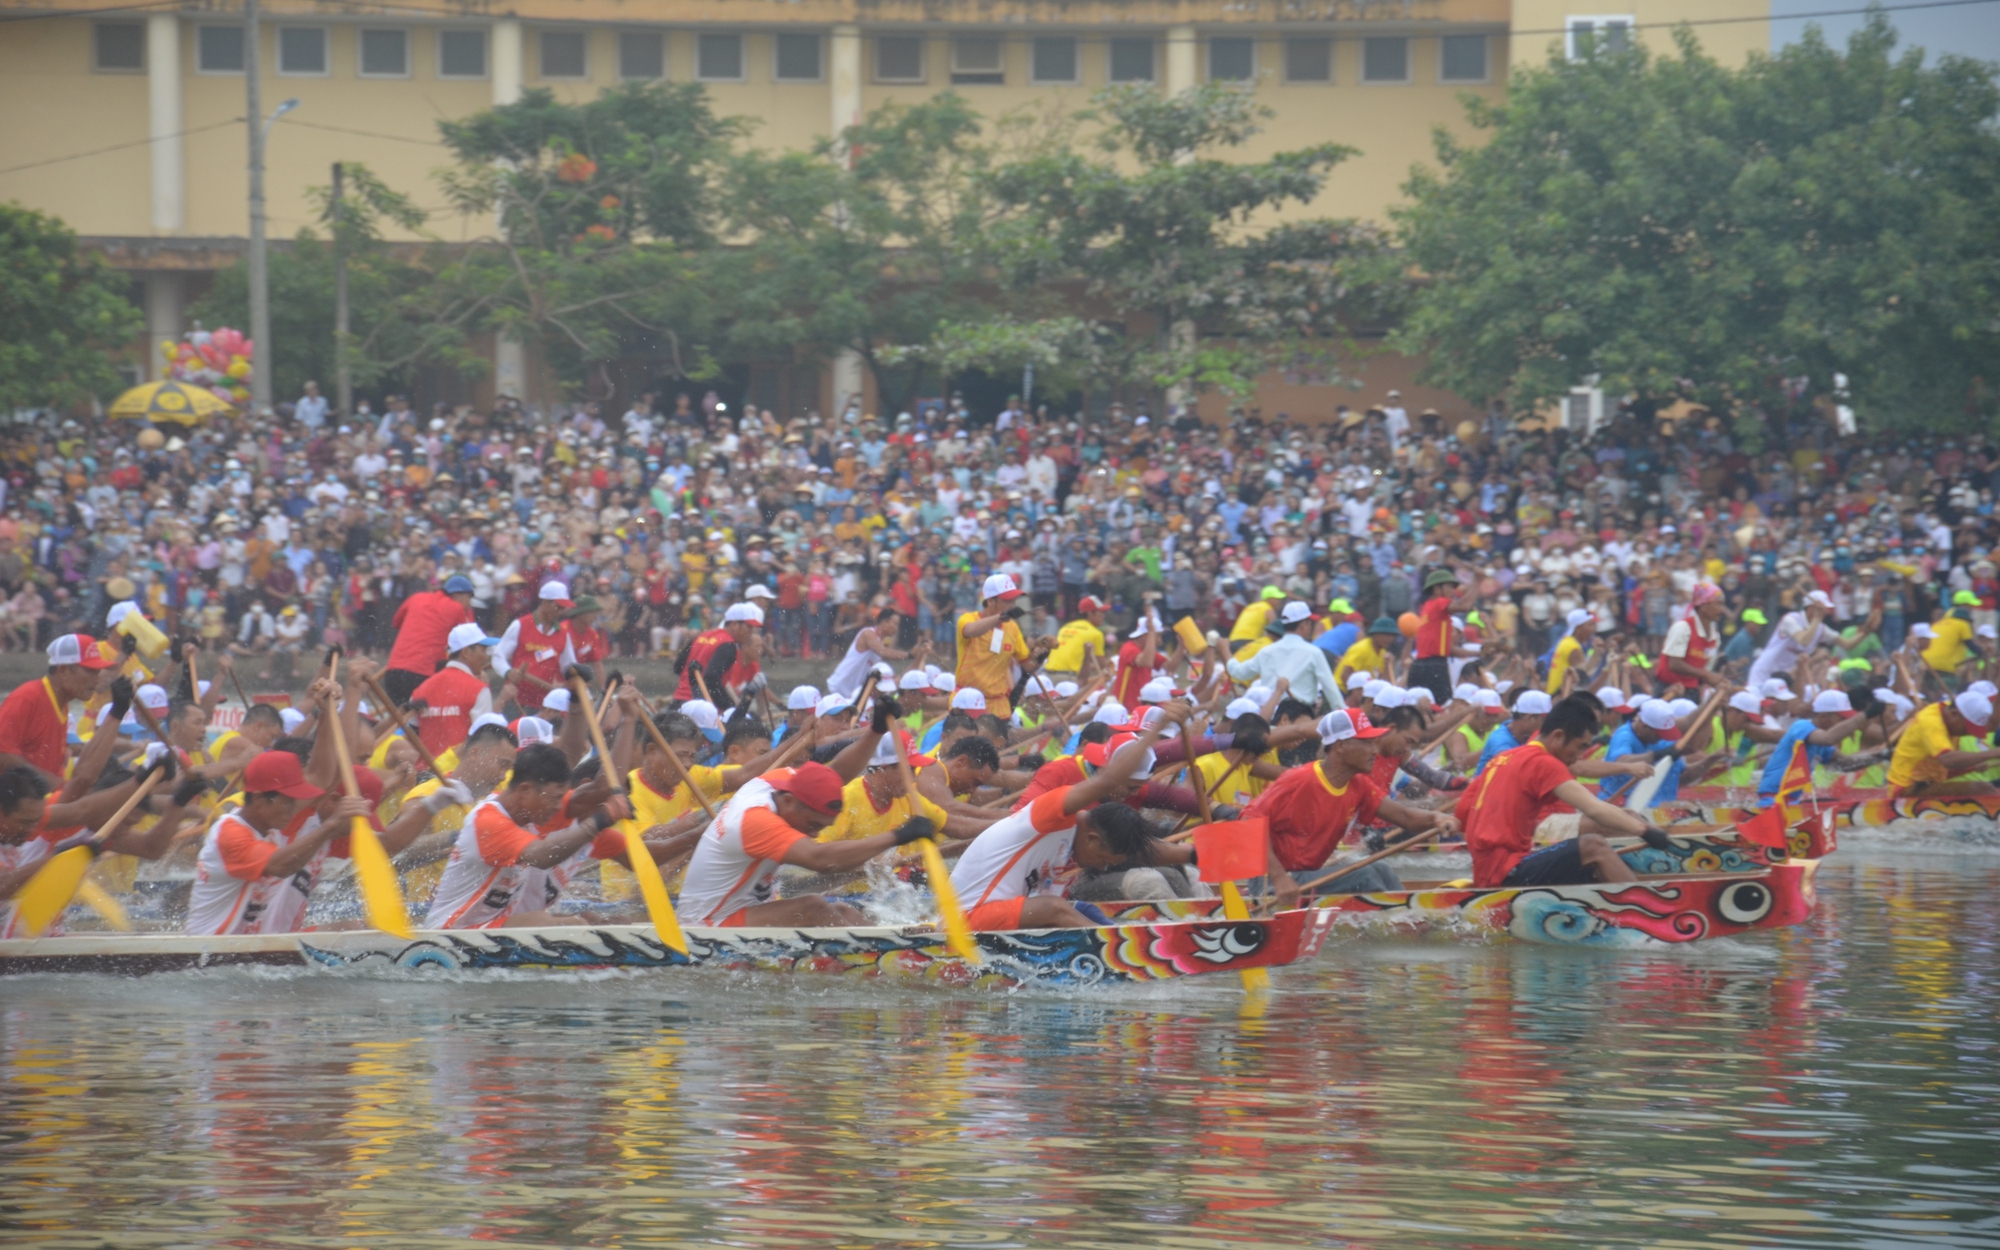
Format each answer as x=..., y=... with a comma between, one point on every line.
x=1836, y=1084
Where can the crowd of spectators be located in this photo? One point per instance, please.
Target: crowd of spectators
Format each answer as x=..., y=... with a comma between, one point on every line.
x=278, y=534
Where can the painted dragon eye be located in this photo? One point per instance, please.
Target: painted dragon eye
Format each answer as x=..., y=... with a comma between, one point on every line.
x=1746, y=902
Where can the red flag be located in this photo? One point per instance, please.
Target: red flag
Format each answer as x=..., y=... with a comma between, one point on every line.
x=1234, y=850
x=1798, y=772
x=1766, y=828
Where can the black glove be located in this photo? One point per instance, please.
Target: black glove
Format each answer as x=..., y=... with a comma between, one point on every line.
x=914, y=828
x=583, y=671
x=1255, y=742
x=169, y=765
x=129, y=644
x=600, y=820
x=1657, y=838
x=70, y=843
x=886, y=708
x=121, y=698
x=1225, y=811
x=190, y=787
x=1014, y=614
x=614, y=678
x=1374, y=841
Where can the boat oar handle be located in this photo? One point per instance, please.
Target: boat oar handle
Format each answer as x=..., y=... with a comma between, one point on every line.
x=1397, y=848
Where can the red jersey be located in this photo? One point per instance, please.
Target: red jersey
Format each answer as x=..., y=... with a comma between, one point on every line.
x=538, y=654
x=1132, y=678
x=591, y=644
x=420, y=626
x=1502, y=806
x=34, y=726
x=451, y=697
x=1434, y=629
x=700, y=651
x=1309, y=815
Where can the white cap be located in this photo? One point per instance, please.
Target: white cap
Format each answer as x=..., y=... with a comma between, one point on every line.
x=530, y=730
x=885, y=752
x=1466, y=692
x=1342, y=725
x=831, y=705
x=1657, y=715
x=153, y=697
x=1579, y=616
x=1747, y=703
x=291, y=717
x=702, y=713
x=1902, y=705
x=759, y=591
x=744, y=612
x=1976, y=708
x=885, y=675
x=914, y=680
x=1985, y=688
x=1260, y=692
x=1358, y=681
x=969, y=699
x=1987, y=631
x=999, y=586
x=468, y=635
x=68, y=649
x=1612, y=697
x=1158, y=690
x=1489, y=699
x=1775, y=688
x=557, y=699
x=1039, y=684
x=119, y=611
x=1832, y=701
x=1112, y=713
x=1295, y=612
x=1066, y=690
x=491, y=718
x=1151, y=619
x=1819, y=597
x=1682, y=707
x=1418, y=695
x=554, y=590
x=1921, y=630
x=1373, y=689
x=1533, y=703
x=1243, y=707
x=945, y=682
x=802, y=698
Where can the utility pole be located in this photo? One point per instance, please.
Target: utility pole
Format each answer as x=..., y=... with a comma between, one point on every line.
x=260, y=284
x=343, y=378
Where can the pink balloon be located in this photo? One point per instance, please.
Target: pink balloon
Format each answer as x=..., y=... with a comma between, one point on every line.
x=222, y=393
x=248, y=350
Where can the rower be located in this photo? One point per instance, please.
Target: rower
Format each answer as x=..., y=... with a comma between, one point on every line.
x=1651, y=733
x=1522, y=786
x=869, y=648
x=1368, y=655
x=1005, y=878
x=1818, y=736
x=1466, y=745
x=964, y=768
x=536, y=651
x=1530, y=706
x=877, y=802
x=1311, y=809
x=456, y=695
x=263, y=724
x=770, y=823
x=1572, y=650
x=34, y=720
x=1928, y=756
x=260, y=861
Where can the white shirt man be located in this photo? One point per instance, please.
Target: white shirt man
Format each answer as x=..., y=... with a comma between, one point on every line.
x=369, y=464
x=1042, y=474
x=311, y=408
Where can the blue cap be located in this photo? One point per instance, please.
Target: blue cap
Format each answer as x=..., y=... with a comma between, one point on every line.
x=458, y=584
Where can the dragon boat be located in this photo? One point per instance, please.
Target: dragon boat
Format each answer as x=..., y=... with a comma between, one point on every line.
x=1857, y=808
x=1137, y=952
x=1694, y=888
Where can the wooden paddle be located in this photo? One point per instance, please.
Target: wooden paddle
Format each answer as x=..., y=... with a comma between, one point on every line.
x=1640, y=798
x=408, y=727
x=1397, y=848
x=48, y=893
x=957, y=932
x=381, y=894
x=652, y=887
x=673, y=757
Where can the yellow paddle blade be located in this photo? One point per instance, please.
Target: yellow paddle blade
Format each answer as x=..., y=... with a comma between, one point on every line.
x=105, y=904
x=381, y=897
x=49, y=891
x=957, y=933
x=1255, y=980
x=659, y=907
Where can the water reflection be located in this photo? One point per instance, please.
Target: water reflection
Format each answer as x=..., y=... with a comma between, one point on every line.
x=1830, y=1085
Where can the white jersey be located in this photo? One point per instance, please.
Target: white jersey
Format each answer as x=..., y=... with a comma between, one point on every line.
x=735, y=865
x=14, y=859
x=1791, y=642
x=852, y=672
x=1018, y=856
x=485, y=883
x=232, y=895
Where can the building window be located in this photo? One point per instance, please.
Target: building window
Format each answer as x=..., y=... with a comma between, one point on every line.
x=1232, y=60
x=719, y=58
x=565, y=54
x=385, y=54
x=1054, y=61
x=899, y=58
x=1131, y=60
x=1462, y=58
x=977, y=62
x=642, y=54
x=461, y=54
x=218, y=50
x=302, y=50
x=1308, y=60
x=119, y=47
x=1585, y=35
x=795, y=58
x=1386, y=59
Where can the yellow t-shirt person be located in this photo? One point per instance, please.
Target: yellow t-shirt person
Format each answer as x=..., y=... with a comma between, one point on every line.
x=980, y=666
x=1947, y=651
x=1239, y=787
x=1363, y=657
x=859, y=817
x=1073, y=642
x=1917, y=752
x=649, y=808
x=1566, y=652
x=1250, y=622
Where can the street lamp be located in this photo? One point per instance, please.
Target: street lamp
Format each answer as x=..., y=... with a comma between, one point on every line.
x=259, y=128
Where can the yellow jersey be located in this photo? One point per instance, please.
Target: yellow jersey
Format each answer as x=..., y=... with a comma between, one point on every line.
x=1250, y=622
x=982, y=668
x=1947, y=651
x=859, y=817
x=1566, y=652
x=1073, y=642
x=1239, y=787
x=1363, y=657
x=1917, y=750
x=420, y=883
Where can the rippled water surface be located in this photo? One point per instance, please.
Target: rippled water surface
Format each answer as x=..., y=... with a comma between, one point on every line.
x=1832, y=1085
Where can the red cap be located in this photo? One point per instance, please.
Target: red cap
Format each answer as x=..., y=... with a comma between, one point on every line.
x=279, y=772
x=813, y=784
x=1090, y=603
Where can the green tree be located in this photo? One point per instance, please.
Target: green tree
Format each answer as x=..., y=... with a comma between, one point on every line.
x=1186, y=277
x=397, y=321
x=862, y=244
x=63, y=315
x=607, y=215
x=1668, y=228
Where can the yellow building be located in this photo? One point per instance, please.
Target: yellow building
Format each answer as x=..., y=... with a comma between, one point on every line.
x=128, y=124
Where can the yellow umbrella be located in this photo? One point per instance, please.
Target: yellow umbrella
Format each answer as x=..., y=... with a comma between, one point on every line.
x=169, y=401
